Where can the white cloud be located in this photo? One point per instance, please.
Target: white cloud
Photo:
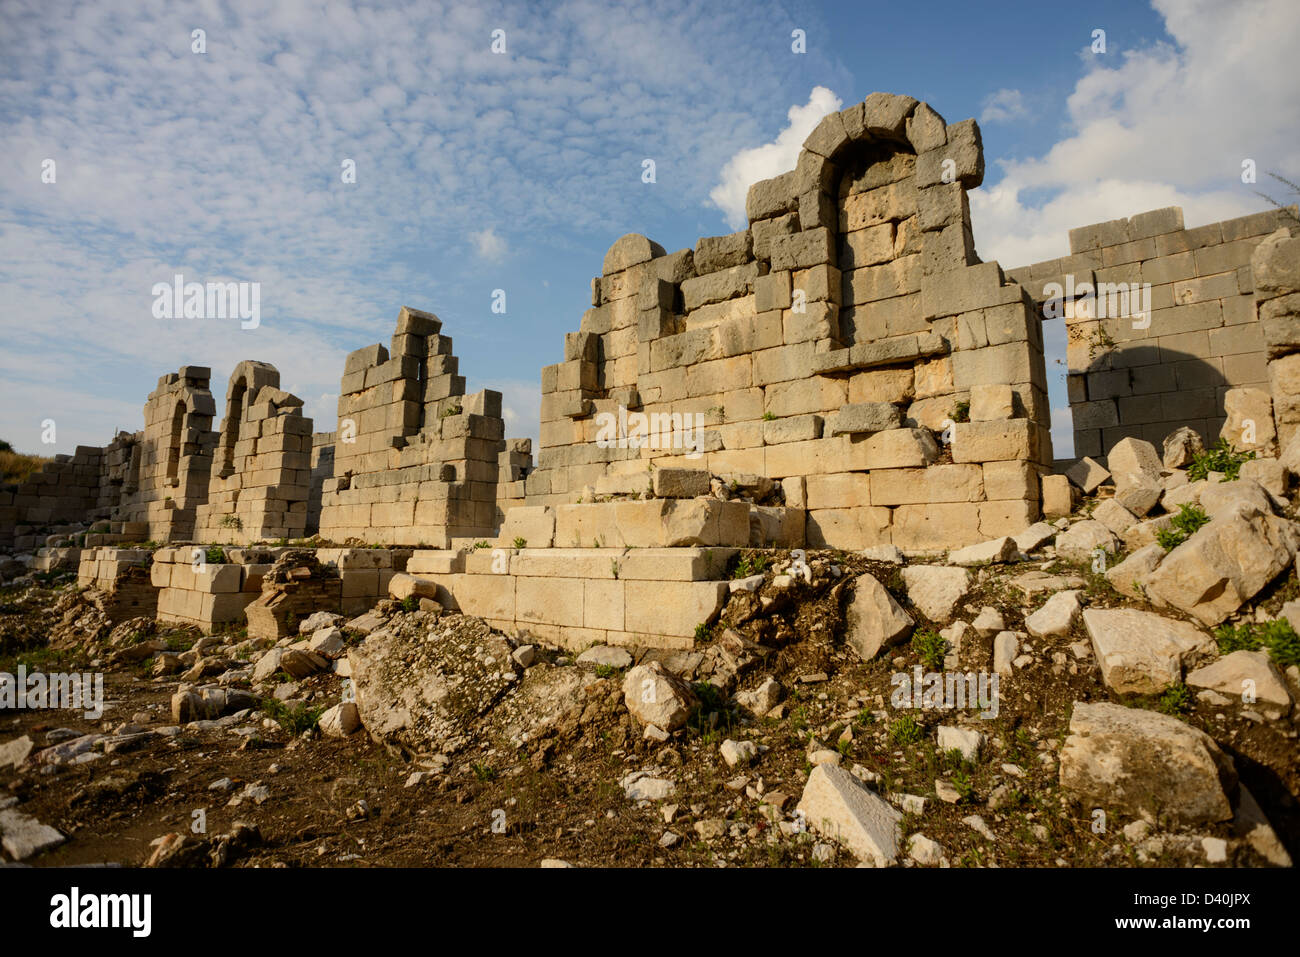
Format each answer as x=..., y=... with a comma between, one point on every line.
x=748, y=166
x=1162, y=125
x=1003, y=106
x=489, y=245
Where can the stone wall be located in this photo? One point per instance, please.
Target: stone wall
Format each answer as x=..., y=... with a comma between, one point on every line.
x=262, y=474
x=1276, y=267
x=171, y=466
x=822, y=346
x=1143, y=376
x=66, y=489
x=416, y=461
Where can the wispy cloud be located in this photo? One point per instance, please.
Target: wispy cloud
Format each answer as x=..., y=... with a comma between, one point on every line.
x=1160, y=125
x=749, y=165
x=1002, y=107
x=489, y=245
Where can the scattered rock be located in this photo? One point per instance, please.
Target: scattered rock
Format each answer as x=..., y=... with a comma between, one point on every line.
x=340, y=721
x=1081, y=540
x=936, y=590
x=923, y=850
x=738, y=752
x=1224, y=564
x=22, y=836
x=1056, y=617
x=1245, y=675
x=607, y=656
x=654, y=695
x=873, y=619
x=984, y=553
x=835, y=804
x=1006, y=647
x=966, y=741
x=989, y=622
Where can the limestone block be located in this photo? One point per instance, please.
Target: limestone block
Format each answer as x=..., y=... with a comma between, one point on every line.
x=893, y=448
x=873, y=620
x=1146, y=764
x=993, y=402
x=680, y=482
x=864, y=417
x=714, y=253
x=533, y=523
x=919, y=486
x=994, y=441
x=1140, y=652
x=1249, y=426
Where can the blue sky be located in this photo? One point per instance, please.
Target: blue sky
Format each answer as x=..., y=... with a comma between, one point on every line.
x=478, y=171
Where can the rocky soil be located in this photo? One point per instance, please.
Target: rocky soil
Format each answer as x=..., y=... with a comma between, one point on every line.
x=1143, y=715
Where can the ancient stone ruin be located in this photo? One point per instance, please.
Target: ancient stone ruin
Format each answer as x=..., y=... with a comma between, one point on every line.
x=844, y=373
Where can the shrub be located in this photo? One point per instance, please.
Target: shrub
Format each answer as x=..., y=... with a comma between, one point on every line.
x=295, y=721
x=1220, y=457
x=1182, y=526
x=215, y=555
x=1278, y=637
x=930, y=648
x=905, y=730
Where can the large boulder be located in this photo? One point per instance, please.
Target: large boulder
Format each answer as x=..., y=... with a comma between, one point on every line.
x=873, y=619
x=423, y=691
x=835, y=803
x=1224, y=564
x=1141, y=652
x=1145, y=763
x=1130, y=576
x=654, y=695
x=936, y=590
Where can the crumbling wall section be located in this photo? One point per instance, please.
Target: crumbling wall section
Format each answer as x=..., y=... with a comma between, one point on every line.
x=170, y=470
x=1142, y=366
x=262, y=473
x=416, y=459
x=1275, y=267
x=835, y=345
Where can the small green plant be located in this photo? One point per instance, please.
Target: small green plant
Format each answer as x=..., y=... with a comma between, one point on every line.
x=482, y=544
x=520, y=543
x=1221, y=457
x=1176, y=700
x=231, y=521
x=961, y=412
x=1278, y=637
x=215, y=555
x=295, y=720
x=905, y=730
x=606, y=671
x=768, y=417
x=451, y=410
x=1182, y=526
x=930, y=647
x=751, y=565
x=483, y=772
x=410, y=603
x=961, y=780
x=703, y=632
